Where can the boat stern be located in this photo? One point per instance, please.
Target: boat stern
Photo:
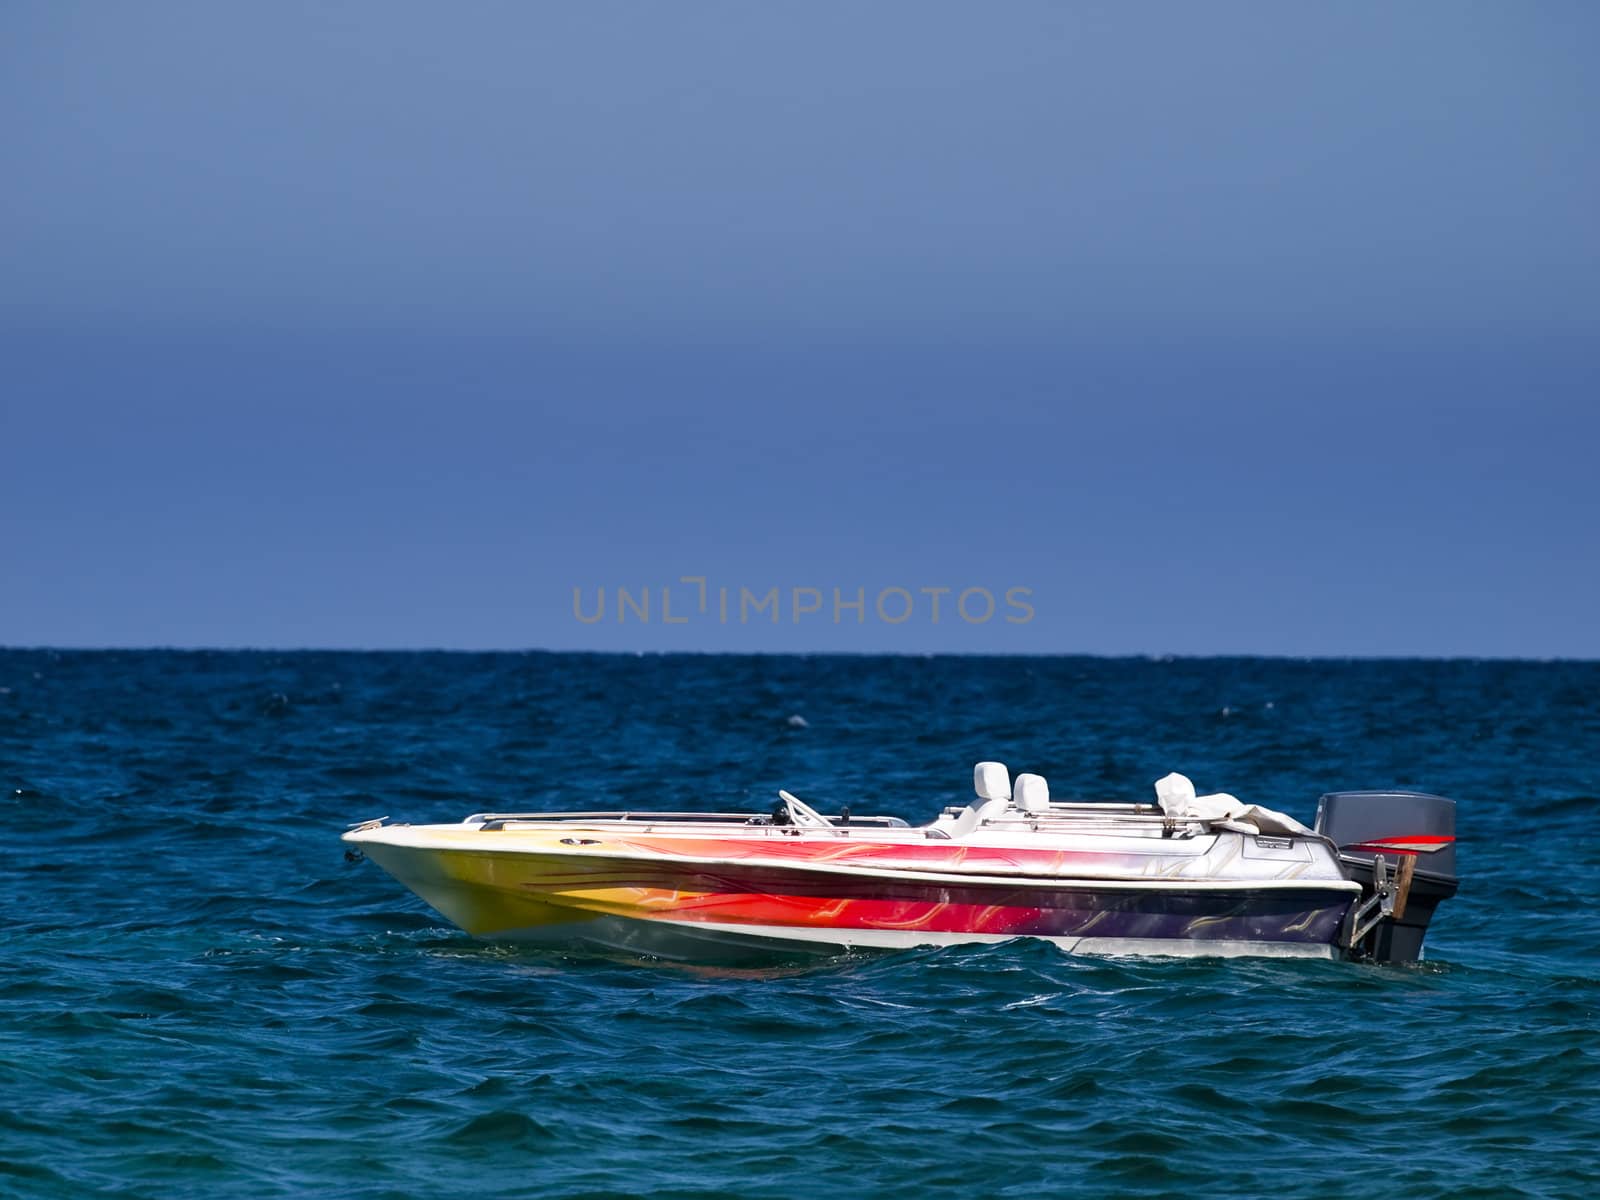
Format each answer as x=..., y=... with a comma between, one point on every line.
x=1401, y=848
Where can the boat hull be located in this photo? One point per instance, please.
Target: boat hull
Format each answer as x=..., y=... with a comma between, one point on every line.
x=689, y=911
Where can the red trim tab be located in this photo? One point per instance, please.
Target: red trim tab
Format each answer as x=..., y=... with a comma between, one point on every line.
x=1422, y=843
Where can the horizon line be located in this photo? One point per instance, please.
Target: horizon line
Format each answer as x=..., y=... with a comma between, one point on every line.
x=1149, y=656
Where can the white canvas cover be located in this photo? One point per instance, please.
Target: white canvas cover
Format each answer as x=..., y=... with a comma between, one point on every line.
x=1176, y=795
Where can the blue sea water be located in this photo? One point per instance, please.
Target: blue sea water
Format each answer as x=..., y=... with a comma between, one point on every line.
x=200, y=997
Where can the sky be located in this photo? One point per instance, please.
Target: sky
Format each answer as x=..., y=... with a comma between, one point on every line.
x=1197, y=329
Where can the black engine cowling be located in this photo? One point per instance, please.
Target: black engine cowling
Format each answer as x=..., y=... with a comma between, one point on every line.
x=1397, y=825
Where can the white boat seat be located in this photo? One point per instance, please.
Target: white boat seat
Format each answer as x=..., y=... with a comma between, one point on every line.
x=992, y=781
x=1033, y=793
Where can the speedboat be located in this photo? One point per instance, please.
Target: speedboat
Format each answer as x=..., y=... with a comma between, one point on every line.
x=1185, y=875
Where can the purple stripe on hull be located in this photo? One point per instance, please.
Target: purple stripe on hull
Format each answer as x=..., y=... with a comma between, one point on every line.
x=1194, y=916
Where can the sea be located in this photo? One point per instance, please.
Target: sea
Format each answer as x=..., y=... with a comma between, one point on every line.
x=200, y=996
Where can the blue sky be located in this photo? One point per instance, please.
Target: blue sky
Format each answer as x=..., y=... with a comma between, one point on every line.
x=1219, y=328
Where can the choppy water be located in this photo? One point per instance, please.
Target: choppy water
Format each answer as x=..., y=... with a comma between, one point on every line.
x=198, y=996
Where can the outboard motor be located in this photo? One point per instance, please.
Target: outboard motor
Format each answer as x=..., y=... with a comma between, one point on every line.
x=1414, y=835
